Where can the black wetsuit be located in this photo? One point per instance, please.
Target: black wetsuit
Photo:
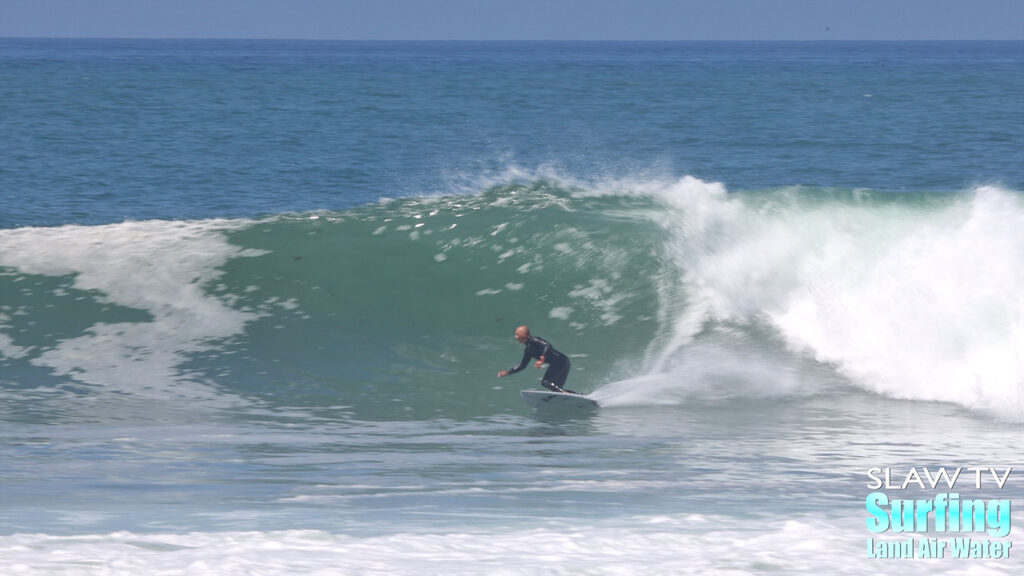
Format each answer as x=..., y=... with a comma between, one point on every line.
x=558, y=363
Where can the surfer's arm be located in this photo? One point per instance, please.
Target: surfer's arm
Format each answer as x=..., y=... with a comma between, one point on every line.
x=522, y=364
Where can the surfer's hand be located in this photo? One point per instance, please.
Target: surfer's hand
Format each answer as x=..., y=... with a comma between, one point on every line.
x=539, y=364
x=503, y=373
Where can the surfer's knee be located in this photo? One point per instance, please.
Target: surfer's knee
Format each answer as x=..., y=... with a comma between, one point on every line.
x=551, y=385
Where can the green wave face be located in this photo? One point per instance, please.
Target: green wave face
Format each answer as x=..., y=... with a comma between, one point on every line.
x=660, y=291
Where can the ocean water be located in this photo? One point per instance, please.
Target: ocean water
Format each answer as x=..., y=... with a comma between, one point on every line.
x=254, y=295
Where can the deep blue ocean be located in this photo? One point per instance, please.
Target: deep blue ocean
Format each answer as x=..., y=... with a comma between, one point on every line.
x=254, y=296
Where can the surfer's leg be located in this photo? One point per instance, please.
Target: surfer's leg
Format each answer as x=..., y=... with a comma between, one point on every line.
x=551, y=386
x=554, y=377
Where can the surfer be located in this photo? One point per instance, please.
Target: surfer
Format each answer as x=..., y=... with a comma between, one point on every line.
x=545, y=353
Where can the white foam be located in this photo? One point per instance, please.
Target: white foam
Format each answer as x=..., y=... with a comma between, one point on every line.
x=655, y=545
x=7, y=346
x=601, y=295
x=937, y=315
x=155, y=266
x=911, y=300
x=560, y=312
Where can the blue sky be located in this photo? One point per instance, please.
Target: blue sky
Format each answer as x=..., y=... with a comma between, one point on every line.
x=518, y=19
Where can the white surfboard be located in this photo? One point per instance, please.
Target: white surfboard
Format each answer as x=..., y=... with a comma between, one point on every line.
x=543, y=398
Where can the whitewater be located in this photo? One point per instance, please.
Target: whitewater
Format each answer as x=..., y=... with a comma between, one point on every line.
x=254, y=295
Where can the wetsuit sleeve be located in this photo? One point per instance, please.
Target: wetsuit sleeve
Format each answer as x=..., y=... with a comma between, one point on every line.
x=523, y=362
x=545, y=349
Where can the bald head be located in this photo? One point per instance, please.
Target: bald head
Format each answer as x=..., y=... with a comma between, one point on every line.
x=522, y=334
